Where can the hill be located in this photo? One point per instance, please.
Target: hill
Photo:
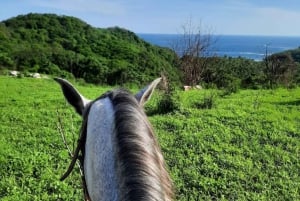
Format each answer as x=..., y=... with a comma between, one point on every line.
x=64, y=46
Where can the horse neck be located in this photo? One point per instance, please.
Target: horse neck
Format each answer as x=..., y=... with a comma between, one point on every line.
x=141, y=167
x=123, y=160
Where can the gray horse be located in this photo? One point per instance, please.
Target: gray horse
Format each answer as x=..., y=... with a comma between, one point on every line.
x=121, y=156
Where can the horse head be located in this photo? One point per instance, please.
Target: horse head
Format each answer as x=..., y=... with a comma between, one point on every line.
x=122, y=157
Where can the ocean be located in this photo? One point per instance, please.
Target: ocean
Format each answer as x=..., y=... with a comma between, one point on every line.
x=251, y=47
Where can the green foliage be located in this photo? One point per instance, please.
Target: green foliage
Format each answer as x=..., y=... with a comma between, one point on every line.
x=166, y=101
x=295, y=54
x=233, y=84
x=51, y=44
x=231, y=74
x=281, y=69
x=234, y=73
x=246, y=147
x=32, y=155
x=169, y=102
x=207, y=102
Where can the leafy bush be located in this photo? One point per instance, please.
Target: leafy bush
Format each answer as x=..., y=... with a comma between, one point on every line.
x=168, y=100
x=207, y=102
x=168, y=103
x=232, y=85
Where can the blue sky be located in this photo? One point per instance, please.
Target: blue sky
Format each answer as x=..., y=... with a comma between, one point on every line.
x=245, y=17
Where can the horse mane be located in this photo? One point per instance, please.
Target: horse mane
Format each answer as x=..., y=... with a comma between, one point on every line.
x=139, y=157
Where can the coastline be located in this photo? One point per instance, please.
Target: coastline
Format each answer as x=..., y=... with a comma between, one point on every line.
x=251, y=47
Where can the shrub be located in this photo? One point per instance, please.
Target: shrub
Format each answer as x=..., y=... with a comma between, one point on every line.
x=20, y=75
x=232, y=86
x=208, y=101
x=169, y=101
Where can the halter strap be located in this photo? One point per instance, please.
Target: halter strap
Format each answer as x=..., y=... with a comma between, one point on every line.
x=80, y=148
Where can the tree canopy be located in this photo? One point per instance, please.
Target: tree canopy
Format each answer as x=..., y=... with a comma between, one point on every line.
x=67, y=46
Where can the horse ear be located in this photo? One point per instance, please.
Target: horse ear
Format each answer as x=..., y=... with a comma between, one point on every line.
x=144, y=95
x=72, y=95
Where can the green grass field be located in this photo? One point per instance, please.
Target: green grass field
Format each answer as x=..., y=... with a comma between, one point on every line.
x=247, y=147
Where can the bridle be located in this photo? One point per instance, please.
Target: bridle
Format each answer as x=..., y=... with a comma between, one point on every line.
x=79, y=154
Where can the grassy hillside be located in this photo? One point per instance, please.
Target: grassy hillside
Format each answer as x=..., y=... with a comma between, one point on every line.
x=64, y=46
x=245, y=148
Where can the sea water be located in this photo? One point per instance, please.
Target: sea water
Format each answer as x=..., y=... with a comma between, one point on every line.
x=251, y=47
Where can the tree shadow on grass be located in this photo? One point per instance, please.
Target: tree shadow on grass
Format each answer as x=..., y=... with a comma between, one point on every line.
x=289, y=103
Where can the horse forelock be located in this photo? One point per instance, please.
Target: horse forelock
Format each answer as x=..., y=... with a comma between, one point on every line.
x=142, y=170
